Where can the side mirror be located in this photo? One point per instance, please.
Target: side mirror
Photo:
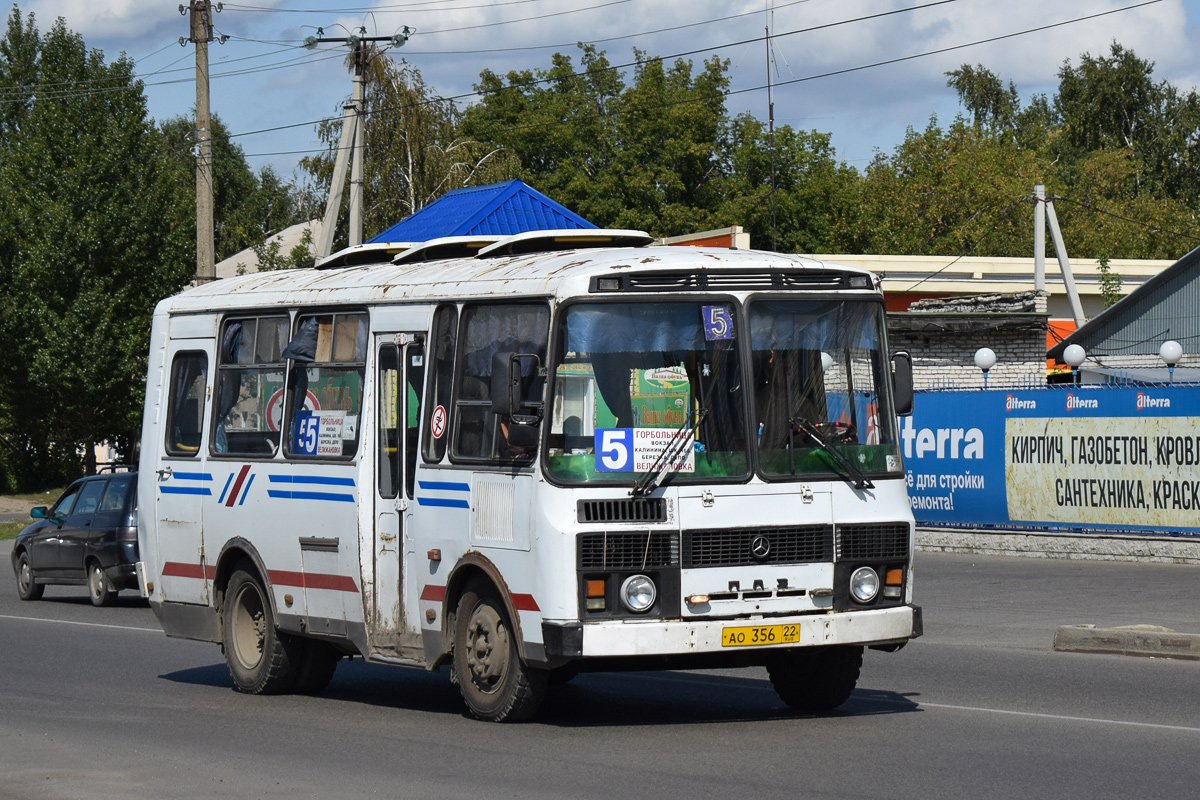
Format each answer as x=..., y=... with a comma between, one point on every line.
x=522, y=435
x=504, y=398
x=902, y=382
x=41, y=512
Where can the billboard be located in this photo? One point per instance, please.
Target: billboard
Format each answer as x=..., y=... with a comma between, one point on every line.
x=1080, y=458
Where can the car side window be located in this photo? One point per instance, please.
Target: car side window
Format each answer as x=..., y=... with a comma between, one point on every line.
x=116, y=494
x=89, y=497
x=66, y=502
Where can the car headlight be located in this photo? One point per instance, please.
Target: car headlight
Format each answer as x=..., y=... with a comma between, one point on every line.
x=864, y=584
x=638, y=593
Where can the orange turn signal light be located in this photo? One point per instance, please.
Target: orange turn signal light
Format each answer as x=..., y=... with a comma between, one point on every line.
x=894, y=577
x=595, y=588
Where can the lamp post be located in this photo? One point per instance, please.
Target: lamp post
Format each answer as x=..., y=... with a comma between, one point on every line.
x=1074, y=355
x=985, y=359
x=1171, y=352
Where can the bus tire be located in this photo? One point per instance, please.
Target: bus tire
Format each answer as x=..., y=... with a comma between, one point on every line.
x=495, y=685
x=817, y=679
x=100, y=590
x=318, y=662
x=261, y=659
x=27, y=587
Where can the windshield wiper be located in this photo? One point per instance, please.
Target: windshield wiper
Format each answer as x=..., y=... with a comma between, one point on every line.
x=848, y=470
x=675, y=448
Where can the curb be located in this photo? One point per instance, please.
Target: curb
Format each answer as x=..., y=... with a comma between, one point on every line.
x=1082, y=546
x=1128, y=640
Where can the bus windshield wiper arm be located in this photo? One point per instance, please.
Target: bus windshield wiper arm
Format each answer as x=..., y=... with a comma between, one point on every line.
x=674, y=449
x=857, y=478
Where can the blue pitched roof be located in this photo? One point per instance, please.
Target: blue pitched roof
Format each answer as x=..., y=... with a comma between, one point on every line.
x=499, y=209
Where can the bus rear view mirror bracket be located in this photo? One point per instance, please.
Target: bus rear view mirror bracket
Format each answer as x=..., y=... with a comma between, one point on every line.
x=902, y=382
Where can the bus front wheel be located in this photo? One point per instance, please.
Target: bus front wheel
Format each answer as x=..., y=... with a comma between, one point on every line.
x=817, y=679
x=495, y=685
x=261, y=659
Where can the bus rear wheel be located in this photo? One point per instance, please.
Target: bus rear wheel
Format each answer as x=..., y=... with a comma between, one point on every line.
x=817, y=679
x=261, y=659
x=495, y=685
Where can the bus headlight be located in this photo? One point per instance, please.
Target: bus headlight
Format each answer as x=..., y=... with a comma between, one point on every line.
x=864, y=584
x=638, y=593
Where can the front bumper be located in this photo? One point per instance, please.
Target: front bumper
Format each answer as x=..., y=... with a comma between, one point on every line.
x=632, y=638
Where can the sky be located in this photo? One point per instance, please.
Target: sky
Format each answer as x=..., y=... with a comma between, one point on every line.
x=844, y=67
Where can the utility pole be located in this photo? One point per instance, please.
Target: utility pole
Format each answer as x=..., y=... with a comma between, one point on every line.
x=771, y=128
x=1043, y=210
x=351, y=143
x=200, y=29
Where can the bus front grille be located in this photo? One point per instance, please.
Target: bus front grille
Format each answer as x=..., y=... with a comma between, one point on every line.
x=872, y=541
x=627, y=509
x=639, y=550
x=803, y=544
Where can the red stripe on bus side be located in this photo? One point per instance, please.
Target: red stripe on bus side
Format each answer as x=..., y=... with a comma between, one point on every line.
x=237, y=486
x=524, y=602
x=312, y=580
x=173, y=569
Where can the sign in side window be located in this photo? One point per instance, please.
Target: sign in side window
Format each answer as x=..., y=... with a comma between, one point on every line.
x=185, y=404
x=499, y=336
x=437, y=410
x=388, y=446
x=324, y=389
x=249, y=394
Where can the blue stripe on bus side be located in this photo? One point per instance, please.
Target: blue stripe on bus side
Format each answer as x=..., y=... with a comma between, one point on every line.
x=185, y=490
x=445, y=486
x=444, y=502
x=287, y=495
x=314, y=479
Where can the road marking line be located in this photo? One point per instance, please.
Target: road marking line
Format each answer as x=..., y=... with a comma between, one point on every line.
x=915, y=704
x=85, y=624
x=1060, y=717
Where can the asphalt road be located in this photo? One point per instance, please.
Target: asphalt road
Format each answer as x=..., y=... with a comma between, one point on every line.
x=97, y=703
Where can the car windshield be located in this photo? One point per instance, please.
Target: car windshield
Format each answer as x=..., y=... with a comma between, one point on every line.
x=819, y=371
x=628, y=376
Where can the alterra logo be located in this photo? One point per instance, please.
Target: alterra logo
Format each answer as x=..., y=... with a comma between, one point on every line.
x=1146, y=401
x=1017, y=404
x=1074, y=402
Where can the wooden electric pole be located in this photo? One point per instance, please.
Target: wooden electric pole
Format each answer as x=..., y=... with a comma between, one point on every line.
x=200, y=29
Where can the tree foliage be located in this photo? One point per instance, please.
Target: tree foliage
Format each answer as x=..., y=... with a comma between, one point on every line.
x=93, y=232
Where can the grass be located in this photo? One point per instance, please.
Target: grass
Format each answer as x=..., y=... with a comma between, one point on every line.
x=9, y=530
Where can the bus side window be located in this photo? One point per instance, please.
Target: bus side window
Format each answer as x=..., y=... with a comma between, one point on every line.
x=185, y=404
x=250, y=386
x=412, y=412
x=328, y=356
x=488, y=330
x=437, y=409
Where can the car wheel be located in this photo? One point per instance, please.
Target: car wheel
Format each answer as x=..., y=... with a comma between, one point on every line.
x=817, y=679
x=27, y=588
x=318, y=662
x=99, y=588
x=494, y=683
x=261, y=659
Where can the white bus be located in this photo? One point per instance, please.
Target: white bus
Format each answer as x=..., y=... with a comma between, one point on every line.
x=528, y=457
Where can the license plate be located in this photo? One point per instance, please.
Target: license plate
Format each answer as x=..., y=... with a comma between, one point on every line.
x=753, y=635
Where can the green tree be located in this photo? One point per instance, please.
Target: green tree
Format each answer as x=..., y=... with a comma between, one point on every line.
x=93, y=232
x=647, y=155
x=247, y=207
x=414, y=148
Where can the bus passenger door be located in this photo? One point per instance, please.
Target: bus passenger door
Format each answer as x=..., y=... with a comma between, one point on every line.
x=182, y=476
x=399, y=380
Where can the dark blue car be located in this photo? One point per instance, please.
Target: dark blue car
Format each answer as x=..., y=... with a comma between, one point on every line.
x=88, y=538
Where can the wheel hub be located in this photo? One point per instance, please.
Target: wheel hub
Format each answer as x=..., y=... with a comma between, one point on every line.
x=487, y=649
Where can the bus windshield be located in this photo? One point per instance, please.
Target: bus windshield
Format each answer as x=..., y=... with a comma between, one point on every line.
x=629, y=375
x=812, y=401
x=822, y=402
